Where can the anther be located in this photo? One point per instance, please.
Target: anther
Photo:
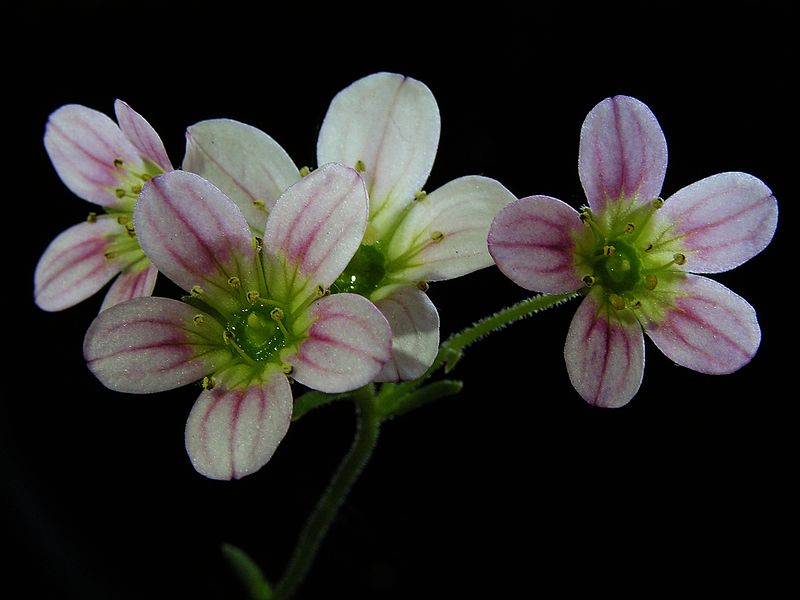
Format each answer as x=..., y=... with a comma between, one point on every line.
x=257, y=243
x=209, y=383
x=130, y=229
x=109, y=254
x=609, y=250
x=423, y=286
x=196, y=291
x=636, y=304
x=146, y=177
x=91, y=217
x=118, y=162
x=253, y=296
x=360, y=166
x=305, y=171
x=120, y=193
x=227, y=336
x=589, y=280
x=586, y=215
x=630, y=227
x=616, y=301
x=648, y=247
x=657, y=203
x=234, y=282
x=680, y=259
x=260, y=204
x=287, y=368
x=420, y=196
x=322, y=291
x=198, y=320
x=277, y=314
x=136, y=188
x=123, y=219
x=437, y=236
x=650, y=282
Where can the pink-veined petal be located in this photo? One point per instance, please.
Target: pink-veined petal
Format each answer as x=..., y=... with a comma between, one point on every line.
x=231, y=433
x=83, y=144
x=153, y=344
x=195, y=235
x=242, y=161
x=604, y=353
x=142, y=135
x=710, y=329
x=722, y=221
x=444, y=235
x=531, y=241
x=131, y=284
x=348, y=342
x=313, y=231
x=623, y=153
x=390, y=124
x=414, y=321
x=74, y=266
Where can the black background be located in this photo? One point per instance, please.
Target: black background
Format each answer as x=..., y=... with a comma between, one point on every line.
x=515, y=487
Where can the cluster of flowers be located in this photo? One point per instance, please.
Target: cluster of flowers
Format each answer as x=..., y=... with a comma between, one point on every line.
x=320, y=276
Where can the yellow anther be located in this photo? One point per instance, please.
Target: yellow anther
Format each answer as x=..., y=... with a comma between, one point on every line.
x=253, y=296
x=120, y=193
x=305, y=171
x=130, y=229
x=589, y=280
x=657, y=203
x=360, y=166
x=123, y=219
x=227, y=336
x=609, y=250
x=650, y=282
x=146, y=177
x=636, y=304
x=136, y=188
x=648, y=247
x=118, y=162
x=257, y=243
x=209, y=383
x=630, y=227
x=680, y=259
x=109, y=254
x=616, y=301
x=586, y=215
x=198, y=320
x=234, y=282
x=277, y=314
x=437, y=236
x=423, y=286
x=287, y=368
x=322, y=291
x=196, y=291
x=91, y=217
x=420, y=195
x=260, y=204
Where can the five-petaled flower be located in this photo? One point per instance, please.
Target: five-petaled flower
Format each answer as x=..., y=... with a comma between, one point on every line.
x=634, y=255
x=258, y=311
x=106, y=164
x=387, y=127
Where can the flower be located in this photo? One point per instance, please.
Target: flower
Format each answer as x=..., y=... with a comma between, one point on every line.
x=634, y=255
x=387, y=127
x=255, y=313
x=106, y=164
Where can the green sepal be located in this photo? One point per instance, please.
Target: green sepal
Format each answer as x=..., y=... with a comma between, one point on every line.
x=248, y=572
x=314, y=399
x=451, y=358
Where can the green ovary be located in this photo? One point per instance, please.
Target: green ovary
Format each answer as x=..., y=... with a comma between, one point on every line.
x=619, y=269
x=364, y=273
x=256, y=333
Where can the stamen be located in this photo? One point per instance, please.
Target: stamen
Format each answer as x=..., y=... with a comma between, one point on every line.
x=120, y=193
x=304, y=172
x=234, y=282
x=657, y=203
x=277, y=314
x=360, y=166
x=209, y=383
x=257, y=243
x=609, y=251
x=423, y=286
x=253, y=296
x=198, y=320
x=118, y=162
x=136, y=189
x=287, y=368
x=260, y=204
x=196, y=291
x=420, y=196
x=227, y=337
x=146, y=177
x=589, y=280
x=130, y=229
x=650, y=282
x=636, y=304
x=123, y=219
x=680, y=259
x=437, y=236
x=616, y=301
x=630, y=227
x=322, y=291
x=648, y=248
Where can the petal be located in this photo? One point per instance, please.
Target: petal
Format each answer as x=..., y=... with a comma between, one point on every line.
x=231, y=433
x=531, y=240
x=242, y=161
x=414, y=321
x=710, y=330
x=390, y=124
x=604, y=354
x=348, y=342
x=142, y=135
x=313, y=231
x=444, y=235
x=153, y=344
x=723, y=220
x=623, y=152
x=74, y=267
x=131, y=284
x=83, y=145
x=195, y=235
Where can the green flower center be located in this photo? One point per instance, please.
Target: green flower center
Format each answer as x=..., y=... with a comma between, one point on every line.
x=364, y=273
x=257, y=332
x=618, y=267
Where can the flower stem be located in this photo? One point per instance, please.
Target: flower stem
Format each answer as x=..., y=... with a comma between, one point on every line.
x=317, y=525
